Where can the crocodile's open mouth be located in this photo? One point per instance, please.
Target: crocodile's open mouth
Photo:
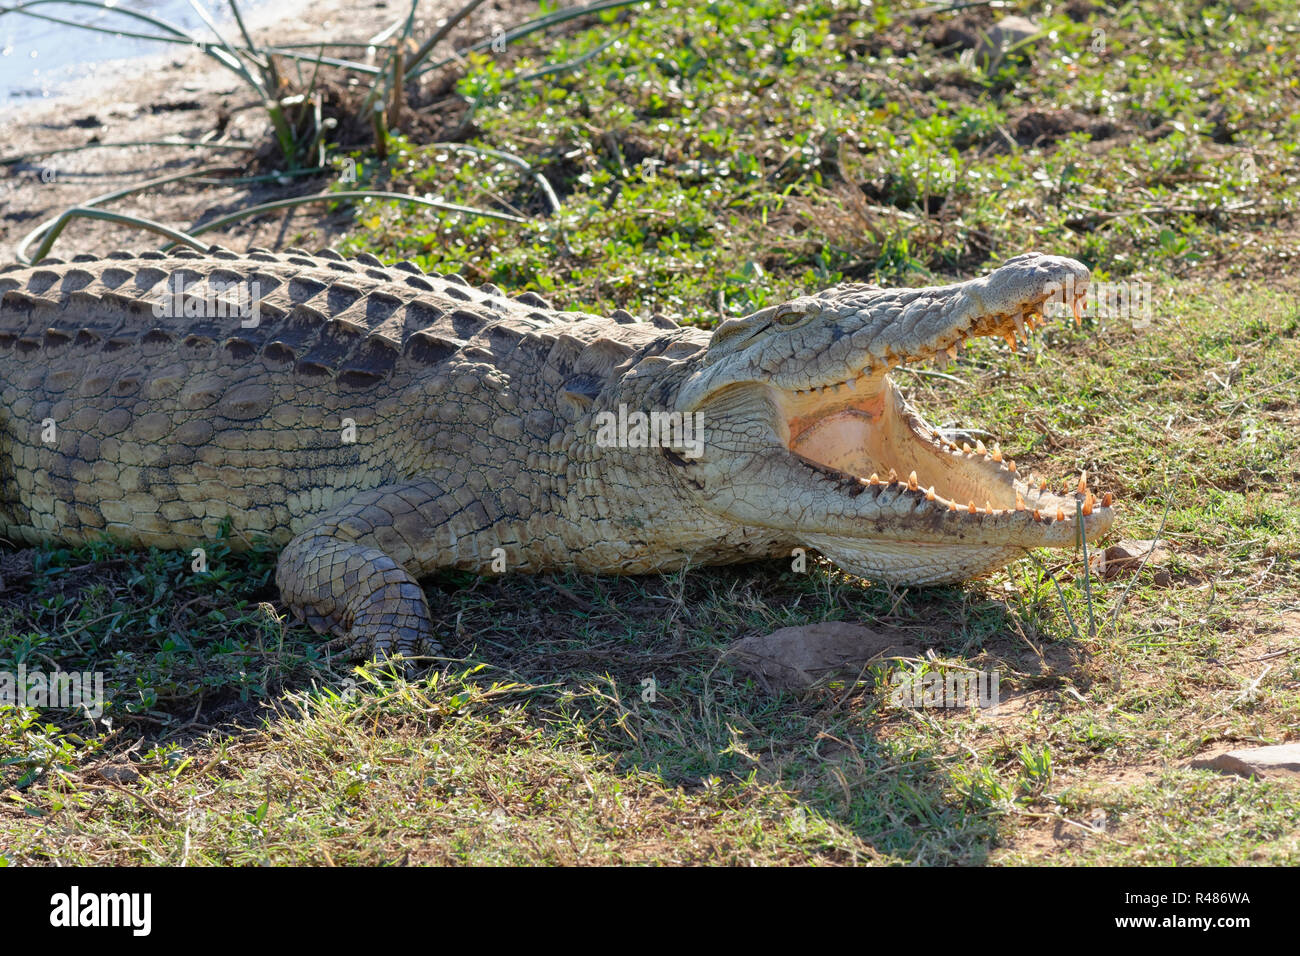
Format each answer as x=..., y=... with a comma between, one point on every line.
x=864, y=430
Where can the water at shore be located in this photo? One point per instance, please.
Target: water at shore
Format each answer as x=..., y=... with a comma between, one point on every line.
x=38, y=59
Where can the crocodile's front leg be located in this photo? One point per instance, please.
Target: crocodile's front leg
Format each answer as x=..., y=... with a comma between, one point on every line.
x=348, y=576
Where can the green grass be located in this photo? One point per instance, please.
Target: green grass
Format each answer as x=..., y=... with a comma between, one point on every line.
x=785, y=161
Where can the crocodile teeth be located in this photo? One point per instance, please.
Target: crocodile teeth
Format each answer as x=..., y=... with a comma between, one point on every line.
x=952, y=506
x=911, y=481
x=952, y=352
x=997, y=453
x=970, y=506
x=1083, y=483
x=893, y=476
x=1011, y=466
x=979, y=448
x=1105, y=500
x=874, y=479
x=1088, y=503
x=1038, y=515
x=929, y=495
x=1060, y=515
x=1020, y=501
x=965, y=446
x=1020, y=326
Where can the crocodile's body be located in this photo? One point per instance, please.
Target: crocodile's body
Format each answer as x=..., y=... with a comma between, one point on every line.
x=379, y=424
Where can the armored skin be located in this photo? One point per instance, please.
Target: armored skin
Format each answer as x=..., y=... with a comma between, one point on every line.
x=380, y=423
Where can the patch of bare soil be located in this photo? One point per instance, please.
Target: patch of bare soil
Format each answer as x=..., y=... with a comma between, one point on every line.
x=186, y=98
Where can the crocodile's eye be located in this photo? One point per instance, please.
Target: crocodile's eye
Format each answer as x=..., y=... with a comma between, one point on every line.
x=789, y=314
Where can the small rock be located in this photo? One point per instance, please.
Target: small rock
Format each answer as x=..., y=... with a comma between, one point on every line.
x=1128, y=555
x=795, y=658
x=1005, y=34
x=119, y=773
x=1262, y=762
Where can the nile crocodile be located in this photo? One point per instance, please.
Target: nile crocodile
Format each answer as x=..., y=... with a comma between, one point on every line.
x=381, y=423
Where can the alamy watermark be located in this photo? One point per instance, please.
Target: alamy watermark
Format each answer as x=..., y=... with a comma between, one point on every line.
x=637, y=429
x=1130, y=299
x=952, y=688
x=133, y=911
x=83, y=691
x=211, y=300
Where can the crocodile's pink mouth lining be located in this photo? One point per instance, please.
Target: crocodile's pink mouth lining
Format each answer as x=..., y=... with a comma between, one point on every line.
x=863, y=429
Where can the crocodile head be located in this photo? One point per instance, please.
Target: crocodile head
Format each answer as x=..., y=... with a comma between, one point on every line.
x=805, y=432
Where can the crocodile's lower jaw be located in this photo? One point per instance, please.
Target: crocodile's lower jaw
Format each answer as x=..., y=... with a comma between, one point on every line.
x=913, y=562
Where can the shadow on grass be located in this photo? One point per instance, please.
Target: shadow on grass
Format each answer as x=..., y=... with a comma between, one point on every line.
x=635, y=663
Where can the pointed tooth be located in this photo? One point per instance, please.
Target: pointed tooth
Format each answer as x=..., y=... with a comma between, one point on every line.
x=988, y=506
x=979, y=448
x=1011, y=466
x=1083, y=483
x=1010, y=338
x=874, y=479
x=1087, y=504
x=970, y=506
x=1020, y=325
x=1038, y=515
x=893, y=476
x=952, y=351
x=952, y=506
x=1106, y=500
x=1078, y=318
x=965, y=446
x=1020, y=501
x=929, y=495
x=911, y=481
x=996, y=453
x=1060, y=515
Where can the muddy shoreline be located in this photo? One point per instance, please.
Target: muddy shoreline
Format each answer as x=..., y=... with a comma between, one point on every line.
x=189, y=97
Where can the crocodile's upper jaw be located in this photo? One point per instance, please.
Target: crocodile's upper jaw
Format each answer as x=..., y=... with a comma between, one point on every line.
x=877, y=490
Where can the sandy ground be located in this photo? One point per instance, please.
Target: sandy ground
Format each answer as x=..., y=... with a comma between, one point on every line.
x=189, y=97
